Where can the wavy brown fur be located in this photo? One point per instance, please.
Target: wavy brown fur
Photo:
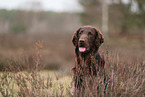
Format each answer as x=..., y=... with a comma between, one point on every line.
x=89, y=62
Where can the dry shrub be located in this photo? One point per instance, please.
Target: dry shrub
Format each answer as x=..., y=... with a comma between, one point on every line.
x=21, y=76
x=25, y=80
x=57, y=53
x=30, y=60
x=28, y=83
x=125, y=77
x=121, y=79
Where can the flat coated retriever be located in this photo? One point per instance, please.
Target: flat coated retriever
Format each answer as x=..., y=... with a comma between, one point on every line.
x=87, y=41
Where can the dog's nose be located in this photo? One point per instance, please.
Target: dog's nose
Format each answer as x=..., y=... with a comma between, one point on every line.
x=81, y=40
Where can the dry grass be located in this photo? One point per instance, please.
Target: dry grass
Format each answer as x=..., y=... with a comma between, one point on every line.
x=125, y=67
x=33, y=82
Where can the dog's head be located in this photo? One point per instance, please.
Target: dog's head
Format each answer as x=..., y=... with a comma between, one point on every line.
x=86, y=38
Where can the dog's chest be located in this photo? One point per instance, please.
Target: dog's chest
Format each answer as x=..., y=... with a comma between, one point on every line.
x=87, y=65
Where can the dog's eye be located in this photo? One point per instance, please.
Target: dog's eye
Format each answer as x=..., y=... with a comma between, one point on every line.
x=90, y=33
x=81, y=32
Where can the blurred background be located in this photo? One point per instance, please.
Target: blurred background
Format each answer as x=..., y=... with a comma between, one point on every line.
x=53, y=22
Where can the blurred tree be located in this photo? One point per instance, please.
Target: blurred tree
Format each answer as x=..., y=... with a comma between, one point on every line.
x=92, y=12
x=133, y=16
x=126, y=17
x=105, y=7
x=7, y=14
x=96, y=13
x=26, y=17
x=18, y=27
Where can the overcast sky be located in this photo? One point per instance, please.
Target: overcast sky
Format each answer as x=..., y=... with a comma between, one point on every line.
x=52, y=5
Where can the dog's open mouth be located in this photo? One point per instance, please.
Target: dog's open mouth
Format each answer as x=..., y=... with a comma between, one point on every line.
x=82, y=49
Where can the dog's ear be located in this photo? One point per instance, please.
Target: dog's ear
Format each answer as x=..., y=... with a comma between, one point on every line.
x=75, y=38
x=99, y=37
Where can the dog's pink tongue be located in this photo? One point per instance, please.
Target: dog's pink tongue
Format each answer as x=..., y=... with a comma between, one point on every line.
x=82, y=49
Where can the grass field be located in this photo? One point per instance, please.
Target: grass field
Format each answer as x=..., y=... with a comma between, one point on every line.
x=42, y=68
x=26, y=84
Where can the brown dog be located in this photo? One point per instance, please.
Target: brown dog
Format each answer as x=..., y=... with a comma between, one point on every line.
x=87, y=41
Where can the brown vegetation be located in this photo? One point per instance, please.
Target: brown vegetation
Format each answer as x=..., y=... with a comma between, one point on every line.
x=21, y=59
x=125, y=63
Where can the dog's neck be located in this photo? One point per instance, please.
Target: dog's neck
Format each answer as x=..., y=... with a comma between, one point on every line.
x=86, y=61
x=84, y=55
